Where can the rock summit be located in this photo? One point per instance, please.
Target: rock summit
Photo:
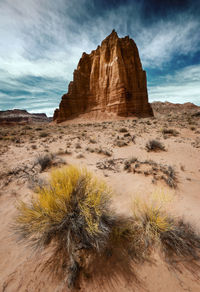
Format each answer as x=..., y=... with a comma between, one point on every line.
x=110, y=81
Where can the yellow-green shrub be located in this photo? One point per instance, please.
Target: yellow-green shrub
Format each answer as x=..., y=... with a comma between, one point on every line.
x=73, y=213
x=72, y=210
x=72, y=193
x=176, y=238
x=151, y=216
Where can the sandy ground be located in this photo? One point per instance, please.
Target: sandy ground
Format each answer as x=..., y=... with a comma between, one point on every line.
x=96, y=145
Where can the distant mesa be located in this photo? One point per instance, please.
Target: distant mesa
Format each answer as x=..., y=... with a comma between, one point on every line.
x=110, y=81
x=166, y=107
x=17, y=116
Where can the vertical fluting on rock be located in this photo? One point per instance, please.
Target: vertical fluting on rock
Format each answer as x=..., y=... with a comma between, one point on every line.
x=108, y=80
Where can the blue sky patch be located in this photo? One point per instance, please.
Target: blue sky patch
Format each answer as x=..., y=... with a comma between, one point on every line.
x=41, y=43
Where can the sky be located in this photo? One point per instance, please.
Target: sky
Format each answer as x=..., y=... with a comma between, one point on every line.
x=41, y=42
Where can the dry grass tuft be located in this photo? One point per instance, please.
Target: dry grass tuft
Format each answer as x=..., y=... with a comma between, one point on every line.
x=72, y=211
x=178, y=240
x=151, y=217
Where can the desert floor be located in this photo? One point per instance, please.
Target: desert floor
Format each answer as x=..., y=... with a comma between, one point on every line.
x=103, y=147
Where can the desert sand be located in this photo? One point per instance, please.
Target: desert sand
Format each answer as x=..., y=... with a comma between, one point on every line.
x=103, y=147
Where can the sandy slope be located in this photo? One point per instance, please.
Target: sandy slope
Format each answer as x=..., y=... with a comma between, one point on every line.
x=23, y=270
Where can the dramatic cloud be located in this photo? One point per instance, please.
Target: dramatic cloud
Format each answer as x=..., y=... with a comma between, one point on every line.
x=165, y=40
x=182, y=86
x=42, y=41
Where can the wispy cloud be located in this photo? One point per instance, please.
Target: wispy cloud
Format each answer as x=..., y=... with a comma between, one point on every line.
x=165, y=40
x=182, y=86
x=36, y=94
x=45, y=39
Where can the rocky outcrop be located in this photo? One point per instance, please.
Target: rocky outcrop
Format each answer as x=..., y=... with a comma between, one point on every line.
x=166, y=107
x=18, y=116
x=108, y=80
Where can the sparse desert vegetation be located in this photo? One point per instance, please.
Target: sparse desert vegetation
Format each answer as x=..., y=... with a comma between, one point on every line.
x=154, y=145
x=73, y=213
x=148, y=167
x=132, y=236
x=169, y=132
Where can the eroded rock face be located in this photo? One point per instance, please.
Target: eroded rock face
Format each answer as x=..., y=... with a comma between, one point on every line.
x=17, y=116
x=108, y=80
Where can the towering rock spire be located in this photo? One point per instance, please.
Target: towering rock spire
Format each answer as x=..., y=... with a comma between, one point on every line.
x=108, y=80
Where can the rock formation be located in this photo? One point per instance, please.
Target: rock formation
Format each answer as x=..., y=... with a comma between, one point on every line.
x=18, y=116
x=166, y=108
x=108, y=80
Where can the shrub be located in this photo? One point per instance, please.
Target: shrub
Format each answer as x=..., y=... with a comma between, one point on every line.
x=72, y=211
x=72, y=214
x=103, y=151
x=127, y=135
x=152, y=219
x=170, y=132
x=68, y=152
x=180, y=241
x=120, y=143
x=154, y=145
x=90, y=149
x=106, y=152
x=93, y=141
x=80, y=155
x=45, y=160
x=128, y=162
x=197, y=114
x=60, y=152
x=123, y=130
x=192, y=128
x=158, y=171
x=99, y=151
x=27, y=128
x=171, y=177
x=78, y=145
x=43, y=134
x=177, y=239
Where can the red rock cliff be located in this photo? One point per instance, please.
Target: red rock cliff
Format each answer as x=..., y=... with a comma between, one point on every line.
x=108, y=80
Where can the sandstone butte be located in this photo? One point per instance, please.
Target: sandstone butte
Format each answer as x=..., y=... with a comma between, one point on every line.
x=110, y=81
